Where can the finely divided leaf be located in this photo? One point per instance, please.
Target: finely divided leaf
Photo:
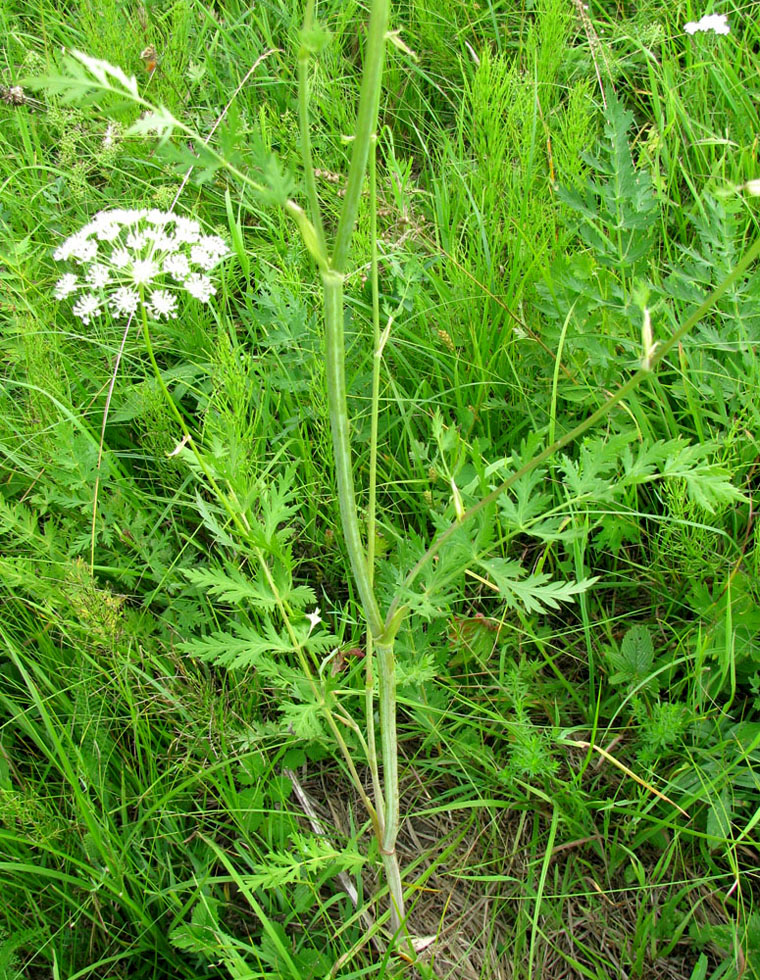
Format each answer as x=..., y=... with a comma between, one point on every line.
x=243, y=648
x=235, y=588
x=537, y=593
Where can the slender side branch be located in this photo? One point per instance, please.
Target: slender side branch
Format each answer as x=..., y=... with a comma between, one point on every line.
x=303, y=121
x=387, y=698
x=369, y=102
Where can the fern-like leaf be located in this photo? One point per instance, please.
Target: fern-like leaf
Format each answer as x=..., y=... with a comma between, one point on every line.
x=535, y=593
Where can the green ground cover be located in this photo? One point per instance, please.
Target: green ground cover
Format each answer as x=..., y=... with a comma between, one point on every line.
x=187, y=676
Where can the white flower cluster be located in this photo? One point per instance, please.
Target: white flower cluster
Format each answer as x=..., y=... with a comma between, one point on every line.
x=126, y=255
x=709, y=22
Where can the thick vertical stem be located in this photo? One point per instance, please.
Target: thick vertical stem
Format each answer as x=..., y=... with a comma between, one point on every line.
x=332, y=278
x=387, y=684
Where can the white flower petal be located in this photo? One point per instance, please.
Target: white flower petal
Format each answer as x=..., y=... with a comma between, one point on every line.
x=68, y=248
x=156, y=217
x=86, y=307
x=136, y=240
x=98, y=275
x=709, y=22
x=200, y=287
x=177, y=267
x=186, y=230
x=143, y=271
x=65, y=286
x=162, y=304
x=202, y=257
x=124, y=301
x=84, y=250
x=120, y=258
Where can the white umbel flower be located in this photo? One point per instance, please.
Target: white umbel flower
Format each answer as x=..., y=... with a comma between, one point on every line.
x=98, y=275
x=142, y=248
x=202, y=257
x=709, y=22
x=77, y=247
x=187, y=230
x=177, y=266
x=124, y=301
x=120, y=258
x=136, y=241
x=108, y=231
x=143, y=271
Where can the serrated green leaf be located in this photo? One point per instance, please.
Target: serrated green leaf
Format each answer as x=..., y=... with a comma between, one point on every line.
x=421, y=670
x=234, y=587
x=633, y=663
x=535, y=593
x=244, y=648
x=309, y=856
x=303, y=719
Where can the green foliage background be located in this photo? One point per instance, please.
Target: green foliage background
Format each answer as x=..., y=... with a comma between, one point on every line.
x=601, y=750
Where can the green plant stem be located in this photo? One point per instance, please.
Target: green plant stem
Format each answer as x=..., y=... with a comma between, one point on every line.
x=339, y=425
x=366, y=123
x=332, y=279
x=396, y=608
x=369, y=707
x=376, y=358
x=303, y=121
x=387, y=699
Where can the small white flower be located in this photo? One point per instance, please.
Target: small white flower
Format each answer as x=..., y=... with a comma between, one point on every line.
x=186, y=230
x=177, y=267
x=314, y=618
x=86, y=307
x=202, y=257
x=124, y=301
x=143, y=271
x=129, y=216
x=162, y=303
x=136, y=241
x=147, y=248
x=98, y=275
x=120, y=258
x=65, y=286
x=108, y=231
x=215, y=245
x=108, y=136
x=165, y=243
x=209, y=251
x=70, y=247
x=156, y=217
x=752, y=187
x=200, y=287
x=709, y=22
x=84, y=250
